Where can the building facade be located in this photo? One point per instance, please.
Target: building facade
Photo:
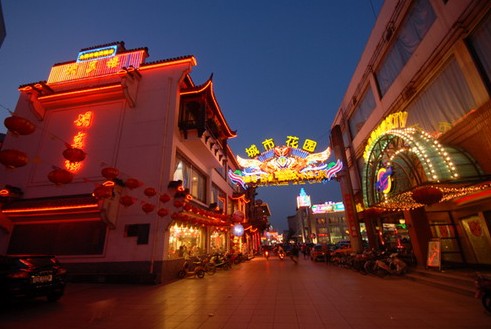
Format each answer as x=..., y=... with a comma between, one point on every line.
x=413, y=130
x=119, y=166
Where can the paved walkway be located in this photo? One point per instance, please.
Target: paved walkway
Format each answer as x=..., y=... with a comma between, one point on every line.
x=256, y=294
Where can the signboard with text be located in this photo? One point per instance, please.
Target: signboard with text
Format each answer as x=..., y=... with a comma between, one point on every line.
x=282, y=165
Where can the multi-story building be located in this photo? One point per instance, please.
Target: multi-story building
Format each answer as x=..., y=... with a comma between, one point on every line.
x=119, y=166
x=413, y=128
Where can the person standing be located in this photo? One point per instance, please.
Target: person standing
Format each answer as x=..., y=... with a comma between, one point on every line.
x=294, y=253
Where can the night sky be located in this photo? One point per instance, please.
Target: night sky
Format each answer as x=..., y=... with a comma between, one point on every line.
x=280, y=67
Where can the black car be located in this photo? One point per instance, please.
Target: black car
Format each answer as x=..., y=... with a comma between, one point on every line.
x=30, y=276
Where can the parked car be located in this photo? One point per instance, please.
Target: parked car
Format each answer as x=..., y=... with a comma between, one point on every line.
x=319, y=252
x=30, y=276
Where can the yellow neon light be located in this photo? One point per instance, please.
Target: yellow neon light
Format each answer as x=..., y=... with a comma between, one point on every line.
x=392, y=121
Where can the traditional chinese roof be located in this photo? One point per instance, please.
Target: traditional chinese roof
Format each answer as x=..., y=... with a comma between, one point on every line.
x=206, y=90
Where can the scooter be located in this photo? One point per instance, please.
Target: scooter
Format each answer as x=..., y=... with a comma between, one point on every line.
x=266, y=254
x=191, y=269
x=483, y=290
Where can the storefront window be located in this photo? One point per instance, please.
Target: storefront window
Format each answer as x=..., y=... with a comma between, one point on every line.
x=217, y=242
x=186, y=241
x=191, y=178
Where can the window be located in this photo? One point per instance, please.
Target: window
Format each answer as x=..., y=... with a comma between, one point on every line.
x=218, y=197
x=480, y=43
x=419, y=20
x=445, y=100
x=141, y=231
x=361, y=113
x=191, y=178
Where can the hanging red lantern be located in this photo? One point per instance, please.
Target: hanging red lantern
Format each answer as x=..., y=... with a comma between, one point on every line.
x=60, y=176
x=149, y=191
x=178, y=204
x=103, y=192
x=13, y=158
x=110, y=172
x=148, y=207
x=126, y=200
x=162, y=212
x=19, y=125
x=132, y=183
x=74, y=154
x=164, y=198
x=427, y=195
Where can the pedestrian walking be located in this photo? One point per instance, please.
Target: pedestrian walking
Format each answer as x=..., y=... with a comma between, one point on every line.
x=294, y=253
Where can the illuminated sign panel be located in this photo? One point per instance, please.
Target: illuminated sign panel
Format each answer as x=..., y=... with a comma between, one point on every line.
x=281, y=165
x=96, y=66
x=327, y=207
x=303, y=200
x=97, y=53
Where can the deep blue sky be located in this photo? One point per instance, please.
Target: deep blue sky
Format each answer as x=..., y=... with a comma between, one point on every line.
x=281, y=67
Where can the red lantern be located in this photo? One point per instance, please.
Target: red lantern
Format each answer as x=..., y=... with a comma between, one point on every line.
x=178, y=204
x=103, y=192
x=150, y=191
x=73, y=154
x=162, y=212
x=427, y=195
x=132, y=183
x=13, y=158
x=19, y=125
x=60, y=176
x=147, y=207
x=164, y=198
x=110, y=172
x=126, y=200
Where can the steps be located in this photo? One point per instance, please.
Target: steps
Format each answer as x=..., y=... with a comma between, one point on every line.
x=461, y=282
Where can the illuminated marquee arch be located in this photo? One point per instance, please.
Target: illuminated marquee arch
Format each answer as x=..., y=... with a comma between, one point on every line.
x=415, y=158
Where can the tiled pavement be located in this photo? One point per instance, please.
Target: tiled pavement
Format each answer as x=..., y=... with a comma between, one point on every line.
x=256, y=294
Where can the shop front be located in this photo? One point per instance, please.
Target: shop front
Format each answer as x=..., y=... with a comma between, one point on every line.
x=417, y=190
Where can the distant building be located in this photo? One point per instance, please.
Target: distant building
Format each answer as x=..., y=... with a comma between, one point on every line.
x=413, y=129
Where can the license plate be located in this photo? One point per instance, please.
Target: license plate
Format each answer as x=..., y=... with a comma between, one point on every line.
x=42, y=278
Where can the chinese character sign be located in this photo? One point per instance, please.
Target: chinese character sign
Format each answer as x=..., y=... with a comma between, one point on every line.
x=282, y=165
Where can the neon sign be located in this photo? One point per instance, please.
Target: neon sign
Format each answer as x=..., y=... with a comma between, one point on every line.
x=384, y=180
x=281, y=165
x=327, y=207
x=83, y=122
x=94, y=63
x=303, y=200
x=392, y=121
x=96, y=53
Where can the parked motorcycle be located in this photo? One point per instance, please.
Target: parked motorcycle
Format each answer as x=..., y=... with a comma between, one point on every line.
x=392, y=265
x=220, y=261
x=191, y=268
x=483, y=290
